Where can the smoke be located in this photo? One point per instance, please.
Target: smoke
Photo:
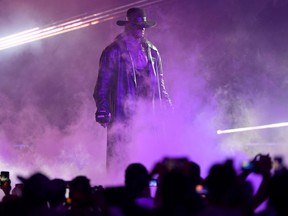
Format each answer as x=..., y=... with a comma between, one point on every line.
x=224, y=67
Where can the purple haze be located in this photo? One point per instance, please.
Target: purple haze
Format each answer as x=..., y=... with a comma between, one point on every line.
x=225, y=66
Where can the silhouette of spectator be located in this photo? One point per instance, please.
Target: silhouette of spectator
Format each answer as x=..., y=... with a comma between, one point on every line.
x=81, y=197
x=35, y=195
x=134, y=198
x=278, y=165
x=11, y=203
x=57, y=199
x=137, y=181
x=177, y=180
x=277, y=195
x=261, y=165
x=227, y=194
x=178, y=195
x=194, y=174
x=6, y=188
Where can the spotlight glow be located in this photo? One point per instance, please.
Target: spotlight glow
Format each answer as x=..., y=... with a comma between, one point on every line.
x=276, y=125
x=68, y=25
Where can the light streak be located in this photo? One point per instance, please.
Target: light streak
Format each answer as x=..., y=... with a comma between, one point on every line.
x=276, y=125
x=18, y=34
x=75, y=23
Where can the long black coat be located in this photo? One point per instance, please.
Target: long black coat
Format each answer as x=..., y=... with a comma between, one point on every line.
x=115, y=90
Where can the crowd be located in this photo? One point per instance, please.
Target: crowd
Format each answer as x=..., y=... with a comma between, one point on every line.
x=180, y=191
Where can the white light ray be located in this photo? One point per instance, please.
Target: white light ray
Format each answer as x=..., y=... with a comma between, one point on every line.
x=19, y=34
x=276, y=125
x=50, y=31
x=68, y=25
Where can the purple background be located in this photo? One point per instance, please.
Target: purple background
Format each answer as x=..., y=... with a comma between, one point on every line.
x=225, y=65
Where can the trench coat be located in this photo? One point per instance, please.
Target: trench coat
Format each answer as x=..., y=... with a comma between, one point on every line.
x=116, y=87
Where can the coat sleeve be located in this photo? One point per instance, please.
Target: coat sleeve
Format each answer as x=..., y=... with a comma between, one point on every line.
x=163, y=92
x=105, y=80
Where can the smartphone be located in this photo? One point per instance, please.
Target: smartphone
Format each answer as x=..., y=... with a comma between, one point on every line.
x=4, y=177
x=153, y=187
x=67, y=193
x=153, y=183
x=248, y=166
x=175, y=163
x=201, y=190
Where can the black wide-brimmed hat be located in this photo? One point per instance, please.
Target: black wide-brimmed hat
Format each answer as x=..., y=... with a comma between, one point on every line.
x=136, y=16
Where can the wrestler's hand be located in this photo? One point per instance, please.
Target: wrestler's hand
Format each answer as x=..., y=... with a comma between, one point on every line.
x=103, y=117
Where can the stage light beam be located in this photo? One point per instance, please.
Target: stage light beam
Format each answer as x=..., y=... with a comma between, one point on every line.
x=235, y=130
x=67, y=26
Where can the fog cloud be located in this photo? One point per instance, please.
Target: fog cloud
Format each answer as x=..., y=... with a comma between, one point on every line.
x=225, y=67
